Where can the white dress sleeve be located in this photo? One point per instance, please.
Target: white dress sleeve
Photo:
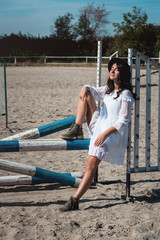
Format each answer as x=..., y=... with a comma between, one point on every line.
x=125, y=112
x=98, y=93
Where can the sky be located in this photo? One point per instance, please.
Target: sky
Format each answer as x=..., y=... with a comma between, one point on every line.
x=37, y=16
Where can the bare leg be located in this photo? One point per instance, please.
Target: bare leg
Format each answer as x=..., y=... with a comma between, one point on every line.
x=85, y=108
x=90, y=170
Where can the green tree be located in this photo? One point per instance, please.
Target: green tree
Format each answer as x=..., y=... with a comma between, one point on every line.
x=63, y=27
x=157, y=45
x=83, y=29
x=132, y=32
x=91, y=22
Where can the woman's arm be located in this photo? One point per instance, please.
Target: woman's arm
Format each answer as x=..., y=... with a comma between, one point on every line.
x=101, y=138
x=125, y=112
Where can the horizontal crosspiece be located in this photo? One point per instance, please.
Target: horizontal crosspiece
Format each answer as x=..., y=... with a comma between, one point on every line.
x=39, y=173
x=44, y=130
x=43, y=145
x=28, y=180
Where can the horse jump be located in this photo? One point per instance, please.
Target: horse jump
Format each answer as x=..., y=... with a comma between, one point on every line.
x=28, y=180
x=64, y=179
x=43, y=145
x=44, y=130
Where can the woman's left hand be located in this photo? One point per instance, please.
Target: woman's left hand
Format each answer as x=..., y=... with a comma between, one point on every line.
x=100, y=139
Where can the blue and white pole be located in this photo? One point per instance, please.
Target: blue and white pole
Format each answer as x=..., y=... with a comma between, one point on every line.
x=43, y=145
x=29, y=180
x=44, y=130
x=64, y=179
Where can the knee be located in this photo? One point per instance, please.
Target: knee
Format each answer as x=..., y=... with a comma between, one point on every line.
x=92, y=163
x=86, y=97
x=89, y=95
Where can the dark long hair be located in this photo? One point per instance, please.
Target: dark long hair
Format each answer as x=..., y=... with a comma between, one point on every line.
x=124, y=77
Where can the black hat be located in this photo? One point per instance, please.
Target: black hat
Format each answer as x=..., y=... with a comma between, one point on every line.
x=118, y=61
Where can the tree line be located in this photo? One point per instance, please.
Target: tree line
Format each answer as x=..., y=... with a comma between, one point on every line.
x=79, y=38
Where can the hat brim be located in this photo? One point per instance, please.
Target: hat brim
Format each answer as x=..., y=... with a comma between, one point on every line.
x=118, y=61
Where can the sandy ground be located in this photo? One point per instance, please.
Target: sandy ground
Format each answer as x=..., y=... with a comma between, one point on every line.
x=41, y=95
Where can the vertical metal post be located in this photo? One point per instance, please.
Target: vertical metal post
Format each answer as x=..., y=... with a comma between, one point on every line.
x=130, y=63
x=148, y=115
x=128, y=185
x=128, y=166
x=159, y=125
x=137, y=107
x=99, y=60
x=5, y=93
x=99, y=57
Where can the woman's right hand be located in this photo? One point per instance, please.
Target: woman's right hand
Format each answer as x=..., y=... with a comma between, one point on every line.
x=84, y=93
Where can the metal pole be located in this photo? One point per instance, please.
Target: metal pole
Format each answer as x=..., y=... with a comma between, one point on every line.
x=137, y=116
x=128, y=166
x=99, y=57
x=99, y=60
x=5, y=93
x=148, y=115
x=128, y=185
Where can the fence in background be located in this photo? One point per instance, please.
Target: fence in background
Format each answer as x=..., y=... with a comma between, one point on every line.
x=62, y=59
x=55, y=59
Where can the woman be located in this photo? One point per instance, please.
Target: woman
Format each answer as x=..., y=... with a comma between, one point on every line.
x=108, y=128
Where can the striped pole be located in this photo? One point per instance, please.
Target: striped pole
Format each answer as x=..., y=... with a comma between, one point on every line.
x=44, y=130
x=99, y=63
x=43, y=145
x=21, y=180
x=28, y=180
x=39, y=173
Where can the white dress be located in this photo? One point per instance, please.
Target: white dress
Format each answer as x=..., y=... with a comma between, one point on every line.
x=116, y=113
